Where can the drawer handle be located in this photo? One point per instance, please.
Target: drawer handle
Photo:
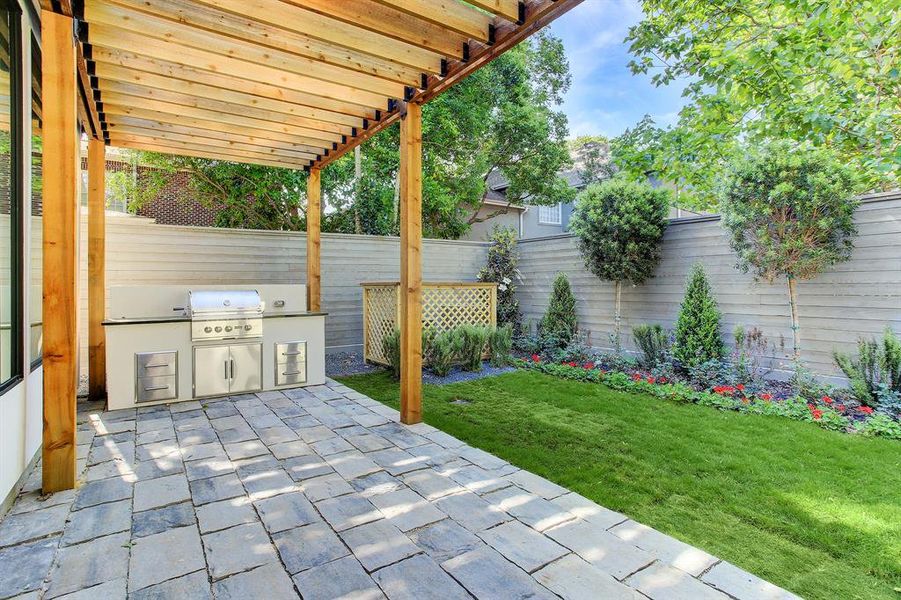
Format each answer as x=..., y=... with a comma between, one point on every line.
x=156, y=388
x=156, y=366
x=299, y=352
x=293, y=373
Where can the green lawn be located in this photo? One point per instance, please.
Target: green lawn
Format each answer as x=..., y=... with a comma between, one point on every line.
x=814, y=511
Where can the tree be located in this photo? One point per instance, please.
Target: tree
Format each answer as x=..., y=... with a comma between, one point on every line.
x=591, y=155
x=821, y=72
x=559, y=322
x=790, y=212
x=697, y=337
x=620, y=225
x=502, y=268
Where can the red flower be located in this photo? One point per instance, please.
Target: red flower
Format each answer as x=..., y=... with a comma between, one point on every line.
x=840, y=407
x=662, y=380
x=827, y=399
x=811, y=406
x=724, y=389
x=866, y=410
x=651, y=379
x=817, y=414
x=589, y=365
x=636, y=376
x=536, y=358
x=746, y=400
x=766, y=397
x=571, y=363
x=740, y=387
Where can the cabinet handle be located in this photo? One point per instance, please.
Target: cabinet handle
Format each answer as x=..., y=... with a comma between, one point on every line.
x=225, y=364
x=292, y=373
x=299, y=352
x=232, y=363
x=156, y=388
x=155, y=366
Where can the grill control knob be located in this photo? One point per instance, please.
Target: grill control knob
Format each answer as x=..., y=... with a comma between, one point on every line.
x=228, y=328
x=248, y=327
x=208, y=329
x=218, y=329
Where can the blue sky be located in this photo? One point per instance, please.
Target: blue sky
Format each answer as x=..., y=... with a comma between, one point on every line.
x=605, y=98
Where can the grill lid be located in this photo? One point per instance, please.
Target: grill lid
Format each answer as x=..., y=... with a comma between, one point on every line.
x=206, y=303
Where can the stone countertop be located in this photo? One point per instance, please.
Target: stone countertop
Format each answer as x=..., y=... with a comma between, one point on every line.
x=186, y=319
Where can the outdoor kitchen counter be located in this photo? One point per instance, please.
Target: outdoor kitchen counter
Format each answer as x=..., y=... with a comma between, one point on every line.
x=187, y=319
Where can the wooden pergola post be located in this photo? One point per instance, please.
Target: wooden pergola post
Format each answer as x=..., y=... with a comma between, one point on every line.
x=60, y=222
x=96, y=269
x=314, y=212
x=410, y=177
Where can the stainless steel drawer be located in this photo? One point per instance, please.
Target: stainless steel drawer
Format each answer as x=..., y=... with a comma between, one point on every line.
x=291, y=352
x=156, y=364
x=155, y=389
x=290, y=374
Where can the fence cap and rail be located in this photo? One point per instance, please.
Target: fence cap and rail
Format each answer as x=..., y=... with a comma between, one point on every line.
x=445, y=305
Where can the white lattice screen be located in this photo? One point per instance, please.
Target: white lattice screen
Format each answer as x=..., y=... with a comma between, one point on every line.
x=444, y=306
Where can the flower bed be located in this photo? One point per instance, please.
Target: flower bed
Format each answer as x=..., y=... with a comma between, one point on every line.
x=825, y=411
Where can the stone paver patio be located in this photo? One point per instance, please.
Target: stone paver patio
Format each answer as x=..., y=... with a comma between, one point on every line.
x=320, y=493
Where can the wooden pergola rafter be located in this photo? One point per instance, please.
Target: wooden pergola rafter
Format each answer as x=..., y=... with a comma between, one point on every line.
x=286, y=83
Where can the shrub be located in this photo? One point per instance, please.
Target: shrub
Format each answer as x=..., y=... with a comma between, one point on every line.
x=751, y=349
x=471, y=340
x=559, y=321
x=620, y=225
x=698, y=327
x=876, y=366
x=710, y=373
x=443, y=352
x=391, y=348
x=502, y=269
x=653, y=342
x=790, y=211
x=500, y=342
x=577, y=351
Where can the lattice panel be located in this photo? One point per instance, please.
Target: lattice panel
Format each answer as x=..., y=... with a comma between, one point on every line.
x=380, y=314
x=444, y=306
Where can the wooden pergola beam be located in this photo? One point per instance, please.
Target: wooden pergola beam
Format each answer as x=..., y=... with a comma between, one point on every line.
x=96, y=269
x=453, y=14
x=314, y=248
x=299, y=158
x=410, y=291
x=261, y=147
x=508, y=9
x=215, y=155
x=60, y=258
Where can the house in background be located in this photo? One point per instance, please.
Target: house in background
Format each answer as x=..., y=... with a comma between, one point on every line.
x=535, y=220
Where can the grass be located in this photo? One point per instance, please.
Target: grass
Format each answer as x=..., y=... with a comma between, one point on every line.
x=814, y=511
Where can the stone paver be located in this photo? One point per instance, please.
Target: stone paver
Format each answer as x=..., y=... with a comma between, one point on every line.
x=164, y=556
x=418, y=578
x=342, y=578
x=322, y=493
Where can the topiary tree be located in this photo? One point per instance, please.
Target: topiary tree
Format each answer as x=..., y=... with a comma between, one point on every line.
x=620, y=225
x=559, y=321
x=790, y=212
x=698, y=326
x=502, y=269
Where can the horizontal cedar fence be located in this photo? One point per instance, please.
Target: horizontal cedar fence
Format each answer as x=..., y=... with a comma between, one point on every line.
x=140, y=252
x=852, y=299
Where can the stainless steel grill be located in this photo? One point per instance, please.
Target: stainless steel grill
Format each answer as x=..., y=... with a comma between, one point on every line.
x=225, y=314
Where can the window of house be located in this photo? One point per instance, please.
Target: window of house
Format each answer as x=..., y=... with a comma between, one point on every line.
x=36, y=272
x=550, y=215
x=10, y=201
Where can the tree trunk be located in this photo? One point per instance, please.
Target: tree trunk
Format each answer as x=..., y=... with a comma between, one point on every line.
x=617, y=344
x=796, y=325
x=358, y=174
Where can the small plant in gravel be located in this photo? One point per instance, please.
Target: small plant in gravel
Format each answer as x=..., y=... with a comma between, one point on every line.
x=443, y=353
x=559, y=321
x=697, y=337
x=500, y=342
x=471, y=340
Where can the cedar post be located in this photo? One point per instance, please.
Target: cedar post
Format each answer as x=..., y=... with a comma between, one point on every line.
x=96, y=269
x=314, y=212
x=410, y=292
x=60, y=222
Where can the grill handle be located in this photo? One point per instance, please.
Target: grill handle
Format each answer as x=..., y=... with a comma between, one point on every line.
x=156, y=388
x=231, y=362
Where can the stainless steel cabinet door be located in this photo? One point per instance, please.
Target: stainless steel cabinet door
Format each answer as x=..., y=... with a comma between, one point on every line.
x=211, y=370
x=246, y=368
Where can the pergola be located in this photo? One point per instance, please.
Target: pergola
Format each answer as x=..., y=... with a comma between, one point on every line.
x=286, y=83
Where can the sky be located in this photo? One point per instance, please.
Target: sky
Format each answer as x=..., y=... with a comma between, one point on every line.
x=605, y=98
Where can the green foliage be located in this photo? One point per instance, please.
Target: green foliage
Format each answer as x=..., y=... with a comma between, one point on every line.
x=881, y=425
x=811, y=71
x=654, y=343
x=592, y=157
x=471, y=340
x=752, y=349
x=876, y=371
x=500, y=342
x=391, y=348
x=789, y=210
x=502, y=268
x=620, y=225
x=697, y=337
x=559, y=321
x=443, y=350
